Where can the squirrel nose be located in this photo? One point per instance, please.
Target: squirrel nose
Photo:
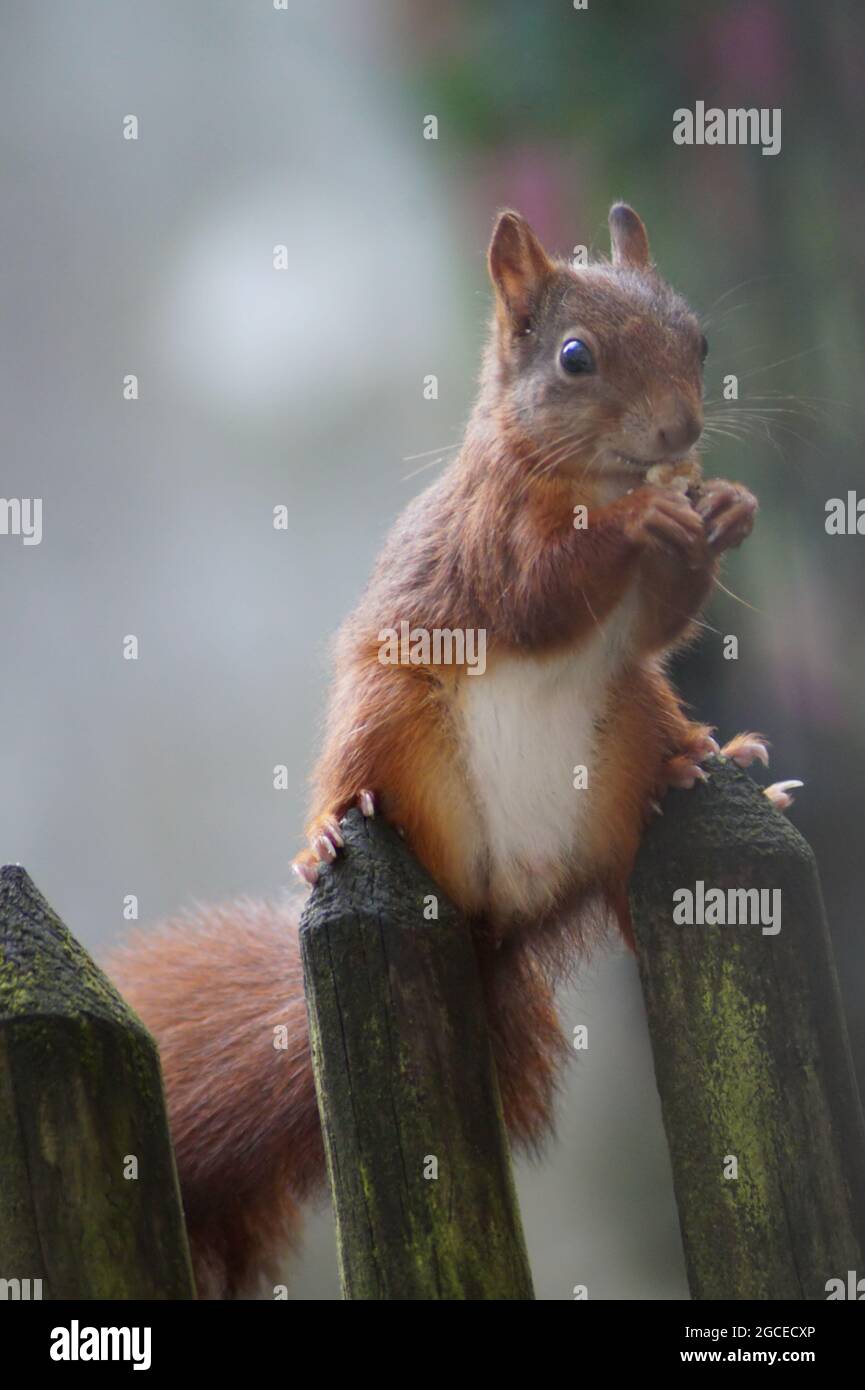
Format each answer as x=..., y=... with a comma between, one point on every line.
x=678, y=430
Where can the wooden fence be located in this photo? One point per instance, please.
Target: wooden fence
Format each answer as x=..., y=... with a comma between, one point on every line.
x=758, y=1094
x=89, y=1202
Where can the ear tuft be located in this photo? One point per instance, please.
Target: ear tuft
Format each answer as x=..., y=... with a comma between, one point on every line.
x=519, y=265
x=629, y=241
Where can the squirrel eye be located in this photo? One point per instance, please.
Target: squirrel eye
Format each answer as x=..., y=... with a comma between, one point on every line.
x=576, y=357
x=704, y=348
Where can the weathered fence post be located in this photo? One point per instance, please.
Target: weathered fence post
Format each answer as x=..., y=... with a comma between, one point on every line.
x=417, y=1155
x=751, y=1053
x=80, y=1097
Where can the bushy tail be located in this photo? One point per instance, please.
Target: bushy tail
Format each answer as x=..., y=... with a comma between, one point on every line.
x=221, y=990
x=218, y=988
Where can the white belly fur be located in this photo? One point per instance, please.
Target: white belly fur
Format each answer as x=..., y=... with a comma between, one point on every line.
x=527, y=724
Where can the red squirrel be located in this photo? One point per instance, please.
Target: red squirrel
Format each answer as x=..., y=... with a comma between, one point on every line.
x=546, y=537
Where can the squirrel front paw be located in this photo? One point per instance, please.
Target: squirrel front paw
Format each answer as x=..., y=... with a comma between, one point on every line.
x=727, y=511
x=326, y=841
x=664, y=519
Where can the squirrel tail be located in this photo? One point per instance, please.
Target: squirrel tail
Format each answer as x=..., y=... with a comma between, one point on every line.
x=221, y=990
x=528, y=1045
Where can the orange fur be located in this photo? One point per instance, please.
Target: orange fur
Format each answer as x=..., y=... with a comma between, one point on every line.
x=492, y=545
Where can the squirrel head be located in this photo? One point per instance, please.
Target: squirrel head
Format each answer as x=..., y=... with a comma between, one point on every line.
x=598, y=369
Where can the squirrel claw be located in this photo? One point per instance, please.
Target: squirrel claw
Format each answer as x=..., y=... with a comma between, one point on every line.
x=728, y=511
x=779, y=793
x=333, y=833
x=706, y=747
x=307, y=873
x=327, y=841
x=684, y=773
x=746, y=749
x=683, y=770
x=324, y=848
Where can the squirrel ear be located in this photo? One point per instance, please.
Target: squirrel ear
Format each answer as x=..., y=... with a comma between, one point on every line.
x=628, y=239
x=518, y=267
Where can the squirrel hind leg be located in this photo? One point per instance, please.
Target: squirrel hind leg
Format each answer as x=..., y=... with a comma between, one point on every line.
x=684, y=770
x=746, y=749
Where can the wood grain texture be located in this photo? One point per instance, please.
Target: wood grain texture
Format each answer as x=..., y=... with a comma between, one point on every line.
x=751, y=1052
x=80, y=1090
x=406, y=1084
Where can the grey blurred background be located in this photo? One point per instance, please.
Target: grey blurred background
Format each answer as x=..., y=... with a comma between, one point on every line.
x=304, y=127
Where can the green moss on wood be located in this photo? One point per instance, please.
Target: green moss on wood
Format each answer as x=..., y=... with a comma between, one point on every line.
x=80, y=1088
x=403, y=1069
x=751, y=1055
